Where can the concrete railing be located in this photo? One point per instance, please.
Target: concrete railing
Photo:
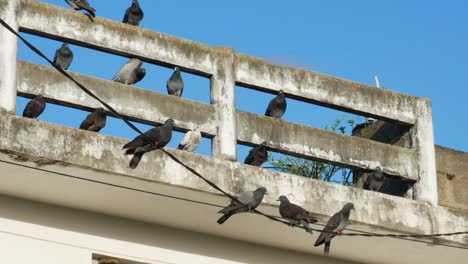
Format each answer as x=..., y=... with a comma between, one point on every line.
x=220, y=120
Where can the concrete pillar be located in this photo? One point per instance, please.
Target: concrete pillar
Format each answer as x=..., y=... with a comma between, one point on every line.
x=423, y=141
x=223, y=86
x=8, y=56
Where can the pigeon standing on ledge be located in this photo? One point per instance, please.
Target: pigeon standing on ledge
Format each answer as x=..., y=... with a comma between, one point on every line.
x=191, y=140
x=374, y=181
x=258, y=155
x=295, y=214
x=95, y=121
x=130, y=73
x=158, y=137
x=335, y=226
x=250, y=201
x=80, y=5
x=63, y=57
x=175, y=84
x=277, y=106
x=35, y=107
x=134, y=14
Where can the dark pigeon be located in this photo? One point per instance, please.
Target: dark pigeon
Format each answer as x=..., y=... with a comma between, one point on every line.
x=191, y=141
x=257, y=156
x=63, y=57
x=94, y=121
x=35, y=107
x=277, y=106
x=159, y=137
x=295, y=214
x=335, y=226
x=250, y=200
x=175, y=84
x=130, y=73
x=134, y=14
x=374, y=181
x=82, y=5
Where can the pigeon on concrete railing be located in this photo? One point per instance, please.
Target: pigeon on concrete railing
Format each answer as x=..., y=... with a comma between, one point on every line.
x=80, y=5
x=94, y=121
x=257, y=156
x=250, y=201
x=191, y=140
x=277, y=106
x=63, y=57
x=35, y=107
x=130, y=73
x=374, y=181
x=134, y=14
x=335, y=226
x=159, y=137
x=175, y=84
x=295, y=214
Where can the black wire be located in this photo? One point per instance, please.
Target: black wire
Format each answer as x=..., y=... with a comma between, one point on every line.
x=274, y=218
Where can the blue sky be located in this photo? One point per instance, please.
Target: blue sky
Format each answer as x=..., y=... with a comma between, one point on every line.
x=415, y=47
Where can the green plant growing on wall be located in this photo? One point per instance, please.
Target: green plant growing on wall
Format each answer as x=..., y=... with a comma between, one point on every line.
x=315, y=169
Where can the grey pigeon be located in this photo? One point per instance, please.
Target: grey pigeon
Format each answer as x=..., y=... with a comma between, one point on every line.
x=295, y=214
x=35, y=107
x=277, y=106
x=159, y=137
x=94, y=121
x=258, y=155
x=130, y=73
x=335, y=226
x=191, y=140
x=80, y=5
x=374, y=181
x=175, y=84
x=134, y=14
x=250, y=200
x=63, y=57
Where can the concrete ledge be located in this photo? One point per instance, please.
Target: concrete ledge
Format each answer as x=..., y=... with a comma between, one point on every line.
x=101, y=156
x=290, y=138
x=138, y=104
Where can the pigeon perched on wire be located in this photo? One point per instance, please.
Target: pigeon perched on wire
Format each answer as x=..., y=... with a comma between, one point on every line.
x=63, y=57
x=335, y=226
x=130, y=73
x=374, y=181
x=191, y=140
x=35, y=107
x=82, y=5
x=175, y=84
x=94, y=121
x=134, y=14
x=295, y=214
x=250, y=201
x=277, y=106
x=258, y=155
x=155, y=138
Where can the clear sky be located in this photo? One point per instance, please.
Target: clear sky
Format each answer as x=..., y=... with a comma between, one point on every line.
x=415, y=47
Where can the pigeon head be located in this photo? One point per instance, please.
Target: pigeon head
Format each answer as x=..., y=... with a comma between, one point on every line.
x=378, y=173
x=264, y=143
x=169, y=122
x=176, y=69
x=261, y=190
x=283, y=198
x=281, y=93
x=348, y=207
x=141, y=72
x=100, y=110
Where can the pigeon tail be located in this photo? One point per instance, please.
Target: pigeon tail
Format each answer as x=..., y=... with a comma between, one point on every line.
x=135, y=160
x=326, y=249
x=224, y=218
x=130, y=151
x=320, y=240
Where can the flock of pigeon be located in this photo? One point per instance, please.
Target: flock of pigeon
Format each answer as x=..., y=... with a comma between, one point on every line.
x=158, y=137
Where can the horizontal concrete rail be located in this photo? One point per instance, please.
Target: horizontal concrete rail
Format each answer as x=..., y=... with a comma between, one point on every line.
x=290, y=138
x=138, y=104
x=100, y=157
x=114, y=37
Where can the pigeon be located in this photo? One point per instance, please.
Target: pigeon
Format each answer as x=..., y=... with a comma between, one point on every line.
x=94, y=121
x=374, y=181
x=80, y=5
x=134, y=14
x=63, y=57
x=277, y=106
x=257, y=156
x=175, y=84
x=295, y=214
x=35, y=107
x=335, y=226
x=250, y=200
x=130, y=73
x=159, y=137
x=191, y=140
